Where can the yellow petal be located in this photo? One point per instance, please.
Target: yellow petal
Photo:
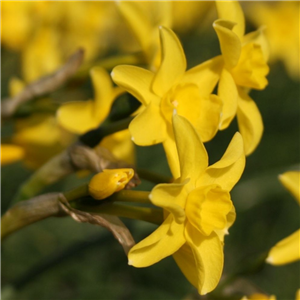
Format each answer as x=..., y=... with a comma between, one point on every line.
x=149, y=127
x=210, y=117
x=228, y=170
x=229, y=42
x=232, y=11
x=173, y=63
x=136, y=81
x=228, y=93
x=192, y=154
x=138, y=22
x=250, y=122
x=172, y=198
x=105, y=183
x=103, y=90
x=208, y=259
x=285, y=251
x=298, y=295
x=205, y=75
x=258, y=37
x=163, y=242
x=11, y=153
x=16, y=85
x=172, y=155
x=78, y=117
x=291, y=181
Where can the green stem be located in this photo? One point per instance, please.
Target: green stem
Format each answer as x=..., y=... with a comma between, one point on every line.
x=93, y=137
x=131, y=196
x=77, y=193
x=151, y=215
x=153, y=177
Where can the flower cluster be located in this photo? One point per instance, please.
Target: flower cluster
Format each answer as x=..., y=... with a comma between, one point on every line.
x=150, y=97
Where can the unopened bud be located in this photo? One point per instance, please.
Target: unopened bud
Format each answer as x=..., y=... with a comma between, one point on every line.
x=108, y=182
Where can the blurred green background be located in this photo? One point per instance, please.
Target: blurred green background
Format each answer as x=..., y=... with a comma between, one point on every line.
x=59, y=258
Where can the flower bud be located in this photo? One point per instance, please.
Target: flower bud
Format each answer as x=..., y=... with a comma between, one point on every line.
x=104, y=184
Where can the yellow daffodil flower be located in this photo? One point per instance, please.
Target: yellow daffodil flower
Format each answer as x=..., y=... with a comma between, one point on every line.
x=11, y=153
x=243, y=67
x=282, y=31
x=82, y=116
x=288, y=249
x=105, y=183
x=265, y=297
x=198, y=210
x=171, y=87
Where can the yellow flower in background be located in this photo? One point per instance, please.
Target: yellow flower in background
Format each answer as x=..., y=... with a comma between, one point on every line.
x=288, y=249
x=198, y=210
x=143, y=19
x=260, y=297
x=191, y=15
x=243, y=67
x=42, y=55
x=281, y=19
x=120, y=145
x=82, y=116
x=171, y=87
x=48, y=32
x=265, y=297
x=11, y=153
x=39, y=135
x=105, y=183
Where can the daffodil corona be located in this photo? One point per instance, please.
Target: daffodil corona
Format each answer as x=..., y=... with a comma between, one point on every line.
x=198, y=210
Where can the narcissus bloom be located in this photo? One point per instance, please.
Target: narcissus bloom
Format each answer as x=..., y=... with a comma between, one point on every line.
x=81, y=116
x=198, y=210
x=105, y=183
x=243, y=67
x=171, y=87
x=288, y=249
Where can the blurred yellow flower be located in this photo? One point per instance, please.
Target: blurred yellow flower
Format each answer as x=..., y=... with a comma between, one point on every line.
x=171, y=87
x=198, y=210
x=243, y=67
x=105, y=183
x=265, y=297
x=47, y=32
x=143, y=19
x=11, y=153
x=288, y=249
x=82, y=116
x=282, y=22
x=39, y=135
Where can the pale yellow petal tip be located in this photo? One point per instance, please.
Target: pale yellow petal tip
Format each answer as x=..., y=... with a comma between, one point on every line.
x=112, y=73
x=130, y=262
x=174, y=112
x=270, y=260
x=104, y=184
x=150, y=197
